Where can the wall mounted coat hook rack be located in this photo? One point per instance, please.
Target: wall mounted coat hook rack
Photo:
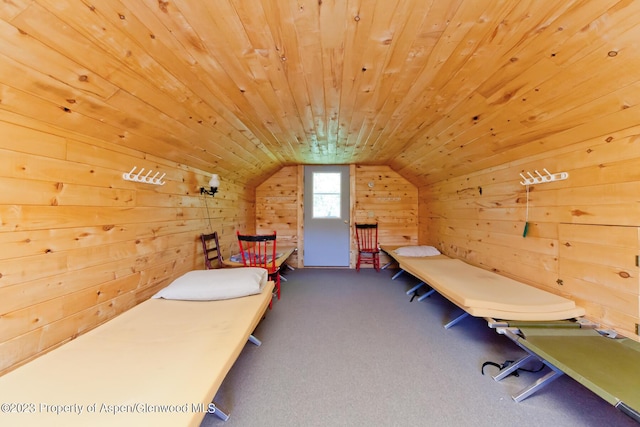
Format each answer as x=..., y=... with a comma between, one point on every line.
x=145, y=179
x=539, y=178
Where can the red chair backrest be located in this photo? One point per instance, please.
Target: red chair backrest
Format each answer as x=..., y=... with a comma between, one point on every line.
x=367, y=237
x=258, y=250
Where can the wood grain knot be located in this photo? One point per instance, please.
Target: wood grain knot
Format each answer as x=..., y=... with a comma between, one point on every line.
x=578, y=212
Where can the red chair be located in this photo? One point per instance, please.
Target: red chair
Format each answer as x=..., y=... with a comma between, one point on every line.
x=259, y=250
x=368, y=248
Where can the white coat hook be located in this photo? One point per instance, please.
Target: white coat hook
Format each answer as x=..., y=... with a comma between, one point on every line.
x=524, y=180
x=127, y=176
x=540, y=178
x=146, y=179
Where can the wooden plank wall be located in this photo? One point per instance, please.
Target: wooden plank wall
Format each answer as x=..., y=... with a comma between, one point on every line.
x=277, y=207
x=597, y=264
x=385, y=197
x=79, y=245
x=391, y=200
x=480, y=218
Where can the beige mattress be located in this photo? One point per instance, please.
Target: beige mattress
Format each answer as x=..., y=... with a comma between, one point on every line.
x=483, y=293
x=391, y=251
x=158, y=364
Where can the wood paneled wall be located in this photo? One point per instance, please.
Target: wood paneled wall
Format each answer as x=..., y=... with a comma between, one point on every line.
x=79, y=244
x=582, y=240
x=279, y=208
x=378, y=195
x=385, y=197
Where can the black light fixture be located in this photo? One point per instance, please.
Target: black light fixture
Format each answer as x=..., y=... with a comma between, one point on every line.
x=214, y=183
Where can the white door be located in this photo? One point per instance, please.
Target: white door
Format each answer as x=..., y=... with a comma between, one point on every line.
x=326, y=216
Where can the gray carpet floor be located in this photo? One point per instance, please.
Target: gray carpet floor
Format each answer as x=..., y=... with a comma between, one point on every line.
x=343, y=348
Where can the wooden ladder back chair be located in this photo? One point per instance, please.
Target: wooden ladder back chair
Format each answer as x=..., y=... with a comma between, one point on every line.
x=259, y=250
x=368, y=248
x=211, y=251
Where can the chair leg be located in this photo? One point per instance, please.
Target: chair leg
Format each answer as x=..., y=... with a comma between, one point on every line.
x=276, y=279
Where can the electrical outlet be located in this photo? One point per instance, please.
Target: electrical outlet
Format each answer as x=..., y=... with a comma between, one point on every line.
x=371, y=214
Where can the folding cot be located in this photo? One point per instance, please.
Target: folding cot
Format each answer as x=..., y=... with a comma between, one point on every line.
x=483, y=293
x=533, y=319
x=159, y=363
x=609, y=367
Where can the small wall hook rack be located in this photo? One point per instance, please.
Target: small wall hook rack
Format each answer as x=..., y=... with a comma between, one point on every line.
x=145, y=179
x=539, y=178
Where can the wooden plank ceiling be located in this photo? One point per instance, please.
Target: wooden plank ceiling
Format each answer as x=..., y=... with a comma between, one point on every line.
x=432, y=88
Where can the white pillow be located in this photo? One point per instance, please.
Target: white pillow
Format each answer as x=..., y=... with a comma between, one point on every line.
x=224, y=283
x=416, y=251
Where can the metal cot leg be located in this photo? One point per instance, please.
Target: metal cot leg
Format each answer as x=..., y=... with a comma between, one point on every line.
x=397, y=274
x=255, y=340
x=427, y=295
x=415, y=288
x=213, y=409
x=515, y=365
x=456, y=320
x=541, y=382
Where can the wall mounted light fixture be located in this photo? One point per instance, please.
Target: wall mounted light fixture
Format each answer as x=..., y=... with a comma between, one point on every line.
x=214, y=183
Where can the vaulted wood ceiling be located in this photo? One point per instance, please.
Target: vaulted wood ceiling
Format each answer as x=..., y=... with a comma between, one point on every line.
x=433, y=88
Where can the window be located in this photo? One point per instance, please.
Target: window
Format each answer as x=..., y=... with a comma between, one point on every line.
x=326, y=194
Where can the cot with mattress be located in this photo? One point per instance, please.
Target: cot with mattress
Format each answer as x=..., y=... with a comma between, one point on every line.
x=400, y=253
x=483, y=293
x=536, y=321
x=159, y=363
x=609, y=367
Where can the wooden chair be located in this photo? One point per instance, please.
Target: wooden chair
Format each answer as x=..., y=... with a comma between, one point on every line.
x=368, y=248
x=259, y=250
x=211, y=251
